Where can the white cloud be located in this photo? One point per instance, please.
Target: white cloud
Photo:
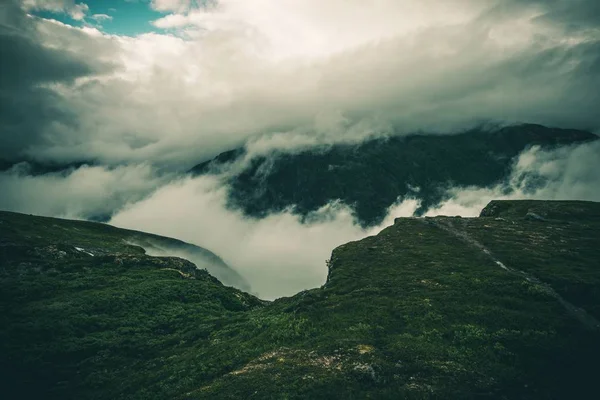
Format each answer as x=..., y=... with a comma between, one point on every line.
x=278, y=255
x=569, y=173
x=101, y=17
x=172, y=21
x=86, y=192
x=171, y=5
x=287, y=69
x=317, y=28
x=77, y=11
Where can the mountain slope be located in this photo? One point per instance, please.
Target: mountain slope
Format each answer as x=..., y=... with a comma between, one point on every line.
x=501, y=306
x=372, y=175
x=93, y=239
x=85, y=313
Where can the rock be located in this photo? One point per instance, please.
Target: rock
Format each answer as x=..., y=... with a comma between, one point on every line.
x=366, y=369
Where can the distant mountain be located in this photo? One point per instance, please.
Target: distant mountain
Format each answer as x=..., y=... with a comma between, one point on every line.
x=372, y=175
x=36, y=168
x=504, y=306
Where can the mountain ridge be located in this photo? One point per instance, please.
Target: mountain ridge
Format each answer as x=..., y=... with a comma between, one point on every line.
x=420, y=310
x=373, y=175
x=147, y=242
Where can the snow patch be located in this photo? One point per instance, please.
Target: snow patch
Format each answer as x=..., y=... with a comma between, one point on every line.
x=500, y=264
x=83, y=251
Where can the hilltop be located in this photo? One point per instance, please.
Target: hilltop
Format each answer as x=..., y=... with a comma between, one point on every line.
x=501, y=306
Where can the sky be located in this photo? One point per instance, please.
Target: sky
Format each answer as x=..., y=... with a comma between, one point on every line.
x=190, y=79
x=115, y=17
x=143, y=90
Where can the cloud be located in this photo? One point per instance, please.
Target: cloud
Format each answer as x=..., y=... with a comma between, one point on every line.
x=84, y=193
x=278, y=255
x=79, y=11
x=34, y=58
x=171, y=5
x=101, y=17
x=172, y=21
x=76, y=11
x=569, y=173
x=240, y=70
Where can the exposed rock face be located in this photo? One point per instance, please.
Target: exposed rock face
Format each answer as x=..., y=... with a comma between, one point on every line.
x=499, y=306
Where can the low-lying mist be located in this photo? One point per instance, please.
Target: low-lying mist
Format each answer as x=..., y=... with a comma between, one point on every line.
x=88, y=192
x=202, y=258
x=283, y=253
x=567, y=173
x=280, y=255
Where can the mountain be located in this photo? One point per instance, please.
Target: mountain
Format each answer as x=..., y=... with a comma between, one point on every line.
x=64, y=238
x=372, y=175
x=37, y=168
x=501, y=306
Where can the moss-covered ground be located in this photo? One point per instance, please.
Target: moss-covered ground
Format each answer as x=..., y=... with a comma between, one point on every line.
x=418, y=311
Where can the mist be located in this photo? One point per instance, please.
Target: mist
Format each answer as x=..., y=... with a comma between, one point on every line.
x=281, y=254
x=569, y=173
x=88, y=192
x=278, y=255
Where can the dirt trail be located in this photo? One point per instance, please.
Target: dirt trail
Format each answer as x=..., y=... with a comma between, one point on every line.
x=578, y=313
x=183, y=274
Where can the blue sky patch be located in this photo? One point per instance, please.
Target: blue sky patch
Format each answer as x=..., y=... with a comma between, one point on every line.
x=129, y=17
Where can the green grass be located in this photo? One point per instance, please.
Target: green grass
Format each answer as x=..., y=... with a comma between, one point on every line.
x=414, y=312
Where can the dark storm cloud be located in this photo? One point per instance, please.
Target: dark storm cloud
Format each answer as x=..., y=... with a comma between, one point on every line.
x=27, y=106
x=572, y=14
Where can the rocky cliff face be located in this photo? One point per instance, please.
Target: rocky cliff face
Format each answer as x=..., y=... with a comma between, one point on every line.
x=501, y=306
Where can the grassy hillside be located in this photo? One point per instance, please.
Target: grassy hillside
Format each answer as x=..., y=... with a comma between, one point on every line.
x=372, y=175
x=94, y=239
x=501, y=306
